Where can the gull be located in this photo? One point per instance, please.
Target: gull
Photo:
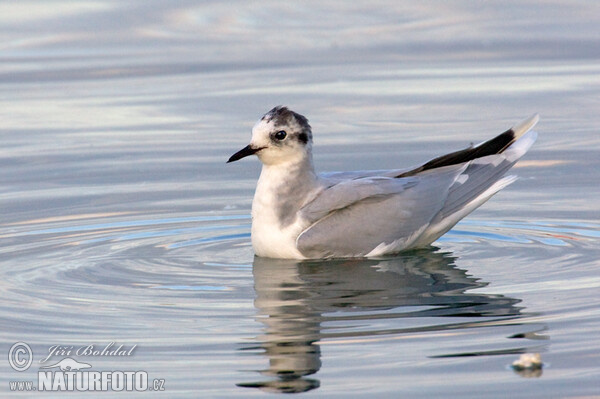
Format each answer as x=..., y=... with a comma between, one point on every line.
x=299, y=214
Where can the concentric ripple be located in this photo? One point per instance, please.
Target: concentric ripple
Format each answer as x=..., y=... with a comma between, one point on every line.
x=79, y=248
x=120, y=265
x=522, y=232
x=121, y=276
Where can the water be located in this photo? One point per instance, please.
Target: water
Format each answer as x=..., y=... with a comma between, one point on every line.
x=121, y=222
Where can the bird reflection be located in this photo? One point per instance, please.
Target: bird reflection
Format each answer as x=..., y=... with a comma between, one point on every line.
x=295, y=298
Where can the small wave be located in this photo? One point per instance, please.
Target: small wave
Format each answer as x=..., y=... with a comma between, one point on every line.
x=547, y=233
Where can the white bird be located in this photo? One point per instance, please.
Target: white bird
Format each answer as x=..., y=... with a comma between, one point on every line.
x=299, y=214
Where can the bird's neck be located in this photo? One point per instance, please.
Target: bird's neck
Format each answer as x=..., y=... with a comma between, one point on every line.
x=282, y=190
x=296, y=176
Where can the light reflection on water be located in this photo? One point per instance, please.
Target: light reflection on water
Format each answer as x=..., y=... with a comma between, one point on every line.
x=121, y=222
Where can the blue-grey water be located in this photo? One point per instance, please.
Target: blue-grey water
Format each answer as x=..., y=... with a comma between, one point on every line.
x=120, y=222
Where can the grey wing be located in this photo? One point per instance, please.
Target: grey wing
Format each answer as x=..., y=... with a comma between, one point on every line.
x=354, y=217
x=339, y=195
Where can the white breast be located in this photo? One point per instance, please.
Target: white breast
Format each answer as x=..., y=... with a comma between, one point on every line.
x=269, y=239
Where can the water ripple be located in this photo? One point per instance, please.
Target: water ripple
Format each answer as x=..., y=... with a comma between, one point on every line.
x=546, y=233
x=162, y=265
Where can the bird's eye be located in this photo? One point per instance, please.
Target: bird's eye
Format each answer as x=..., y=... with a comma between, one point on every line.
x=280, y=135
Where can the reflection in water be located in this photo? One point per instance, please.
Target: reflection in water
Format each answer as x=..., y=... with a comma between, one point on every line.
x=529, y=365
x=295, y=299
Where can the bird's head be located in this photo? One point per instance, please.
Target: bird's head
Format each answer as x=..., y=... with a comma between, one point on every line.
x=280, y=136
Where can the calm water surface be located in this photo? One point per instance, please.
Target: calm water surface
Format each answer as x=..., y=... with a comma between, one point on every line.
x=120, y=221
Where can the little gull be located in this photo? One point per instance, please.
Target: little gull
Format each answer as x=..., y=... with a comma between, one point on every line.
x=299, y=214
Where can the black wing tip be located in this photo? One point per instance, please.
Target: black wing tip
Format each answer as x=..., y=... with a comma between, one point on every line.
x=493, y=146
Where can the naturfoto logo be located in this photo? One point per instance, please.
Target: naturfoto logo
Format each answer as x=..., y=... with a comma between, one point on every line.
x=70, y=374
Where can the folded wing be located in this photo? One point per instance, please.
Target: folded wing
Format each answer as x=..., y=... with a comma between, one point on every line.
x=377, y=212
x=354, y=217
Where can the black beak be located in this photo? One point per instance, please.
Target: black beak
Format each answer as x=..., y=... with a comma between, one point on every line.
x=244, y=152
